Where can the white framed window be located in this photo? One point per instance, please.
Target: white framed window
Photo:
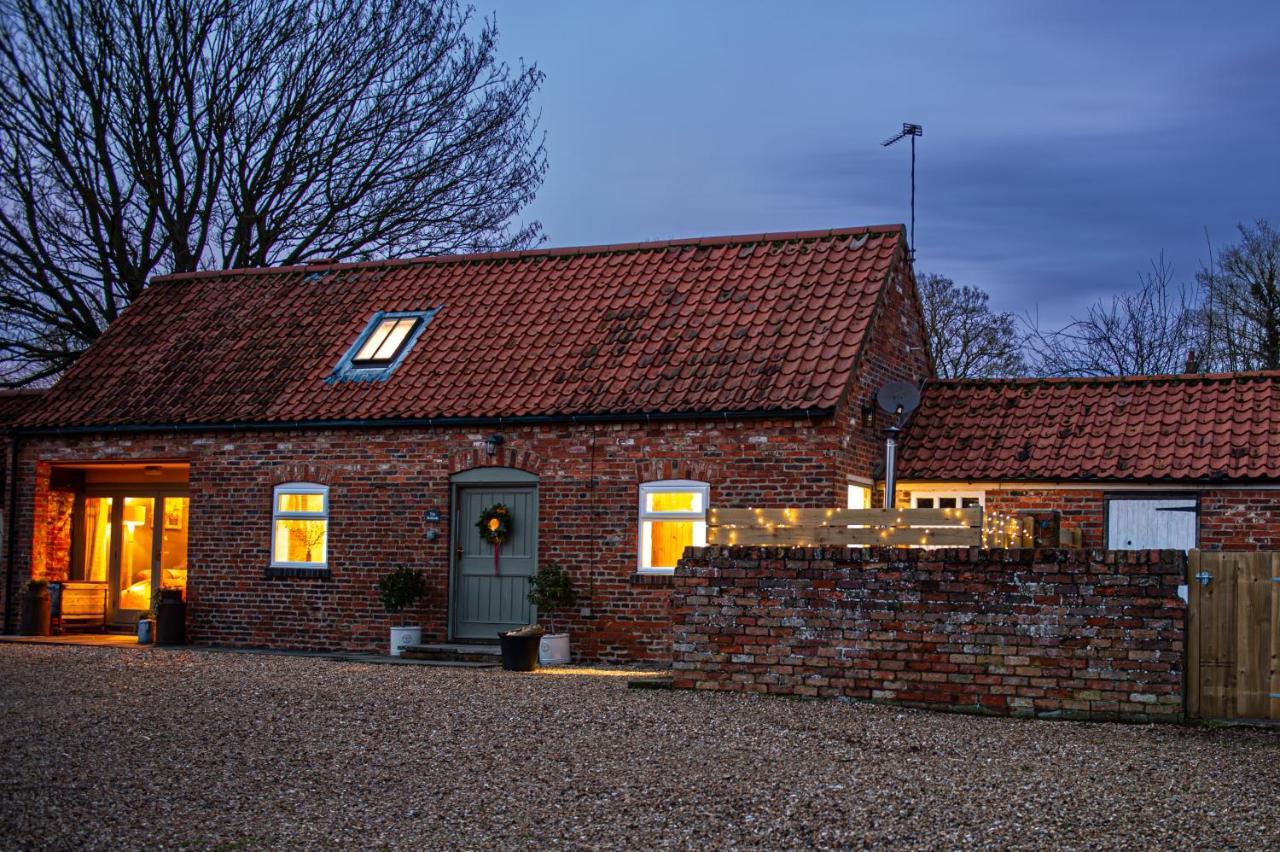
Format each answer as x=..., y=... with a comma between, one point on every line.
x=859, y=496
x=300, y=525
x=673, y=516
x=947, y=499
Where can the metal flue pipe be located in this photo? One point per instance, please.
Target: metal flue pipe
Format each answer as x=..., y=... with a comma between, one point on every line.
x=890, y=461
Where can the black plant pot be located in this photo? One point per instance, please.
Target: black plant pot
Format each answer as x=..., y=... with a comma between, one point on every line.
x=171, y=618
x=519, y=653
x=35, y=612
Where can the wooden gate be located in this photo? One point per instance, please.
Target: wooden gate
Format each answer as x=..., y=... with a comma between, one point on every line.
x=1233, y=635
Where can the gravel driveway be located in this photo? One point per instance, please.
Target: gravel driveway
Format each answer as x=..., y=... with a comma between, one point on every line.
x=110, y=748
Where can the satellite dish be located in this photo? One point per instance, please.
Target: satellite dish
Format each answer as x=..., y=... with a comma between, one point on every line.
x=898, y=397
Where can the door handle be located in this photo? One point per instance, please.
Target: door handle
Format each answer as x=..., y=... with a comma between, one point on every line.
x=457, y=552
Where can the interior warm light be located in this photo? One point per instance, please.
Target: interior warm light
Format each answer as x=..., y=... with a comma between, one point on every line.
x=386, y=340
x=134, y=516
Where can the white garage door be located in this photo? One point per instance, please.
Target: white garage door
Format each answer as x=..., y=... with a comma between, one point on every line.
x=1168, y=524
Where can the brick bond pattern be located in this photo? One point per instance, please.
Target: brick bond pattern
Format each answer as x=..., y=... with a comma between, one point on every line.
x=382, y=483
x=1050, y=633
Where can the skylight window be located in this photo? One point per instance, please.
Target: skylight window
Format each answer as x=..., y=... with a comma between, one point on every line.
x=386, y=342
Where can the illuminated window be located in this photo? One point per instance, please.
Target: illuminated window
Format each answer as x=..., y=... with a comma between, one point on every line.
x=952, y=500
x=382, y=346
x=673, y=516
x=300, y=525
x=859, y=496
x=385, y=342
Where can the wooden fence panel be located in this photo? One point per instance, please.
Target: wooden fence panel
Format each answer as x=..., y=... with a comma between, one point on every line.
x=970, y=517
x=837, y=527
x=837, y=536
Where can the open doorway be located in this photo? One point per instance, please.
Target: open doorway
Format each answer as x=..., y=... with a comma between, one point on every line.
x=129, y=542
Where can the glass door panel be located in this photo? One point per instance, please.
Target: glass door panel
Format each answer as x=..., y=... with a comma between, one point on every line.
x=97, y=539
x=173, y=544
x=137, y=544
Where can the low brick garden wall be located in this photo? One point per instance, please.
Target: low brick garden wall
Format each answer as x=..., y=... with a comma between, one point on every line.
x=1068, y=633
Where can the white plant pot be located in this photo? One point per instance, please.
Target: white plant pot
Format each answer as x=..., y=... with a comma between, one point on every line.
x=404, y=636
x=553, y=650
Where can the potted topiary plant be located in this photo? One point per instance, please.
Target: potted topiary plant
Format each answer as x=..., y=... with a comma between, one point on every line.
x=399, y=590
x=550, y=590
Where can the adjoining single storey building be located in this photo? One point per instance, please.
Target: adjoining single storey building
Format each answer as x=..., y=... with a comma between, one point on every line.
x=1133, y=463
x=273, y=441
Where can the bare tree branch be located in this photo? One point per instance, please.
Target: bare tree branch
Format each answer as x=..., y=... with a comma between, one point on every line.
x=1153, y=330
x=967, y=340
x=139, y=137
x=1241, y=294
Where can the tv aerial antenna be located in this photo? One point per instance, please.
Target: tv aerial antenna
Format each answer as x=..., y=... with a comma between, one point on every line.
x=898, y=399
x=911, y=130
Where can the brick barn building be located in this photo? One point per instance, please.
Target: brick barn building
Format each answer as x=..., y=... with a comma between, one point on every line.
x=1135, y=463
x=275, y=440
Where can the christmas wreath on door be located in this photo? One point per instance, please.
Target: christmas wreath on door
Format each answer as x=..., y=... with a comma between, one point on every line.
x=495, y=528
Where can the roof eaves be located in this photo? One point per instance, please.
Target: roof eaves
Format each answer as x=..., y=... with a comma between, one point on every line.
x=1024, y=381
x=423, y=422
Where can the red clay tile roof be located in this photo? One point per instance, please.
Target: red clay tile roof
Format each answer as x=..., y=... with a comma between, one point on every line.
x=15, y=403
x=768, y=322
x=1189, y=427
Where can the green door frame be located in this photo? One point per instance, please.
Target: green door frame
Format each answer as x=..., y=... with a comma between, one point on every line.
x=481, y=476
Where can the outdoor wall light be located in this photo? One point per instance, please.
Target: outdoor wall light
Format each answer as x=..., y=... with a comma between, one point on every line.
x=868, y=414
x=491, y=445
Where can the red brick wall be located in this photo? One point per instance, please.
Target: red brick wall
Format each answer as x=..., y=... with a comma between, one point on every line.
x=1230, y=518
x=1080, y=510
x=383, y=482
x=987, y=631
x=1239, y=519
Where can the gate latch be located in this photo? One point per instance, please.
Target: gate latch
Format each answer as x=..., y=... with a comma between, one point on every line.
x=1203, y=578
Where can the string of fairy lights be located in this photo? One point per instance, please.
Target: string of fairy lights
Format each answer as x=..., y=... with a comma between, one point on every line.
x=997, y=529
x=1001, y=529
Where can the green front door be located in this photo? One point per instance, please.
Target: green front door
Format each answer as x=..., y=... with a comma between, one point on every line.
x=491, y=595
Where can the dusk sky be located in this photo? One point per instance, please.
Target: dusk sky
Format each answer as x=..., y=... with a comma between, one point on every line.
x=1065, y=144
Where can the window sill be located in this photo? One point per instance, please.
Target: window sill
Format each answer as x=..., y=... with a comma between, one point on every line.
x=638, y=579
x=276, y=573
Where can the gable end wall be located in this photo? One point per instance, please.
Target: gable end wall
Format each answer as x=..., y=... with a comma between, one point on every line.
x=895, y=350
